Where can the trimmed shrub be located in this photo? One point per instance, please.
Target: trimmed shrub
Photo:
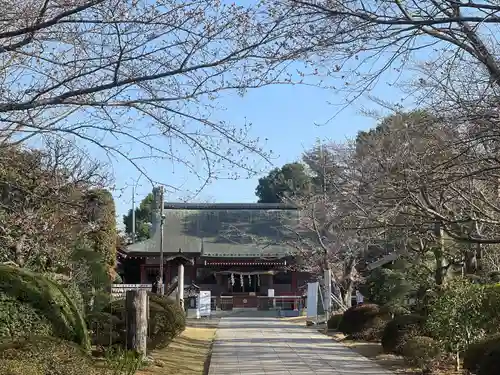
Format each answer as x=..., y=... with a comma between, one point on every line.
x=46, y=355
x=476, y=351
x=71, y=289
x=372, y=332
x=421, y=351
x=334, y=321
x=358, y=318
x=395, y=310
x=490, y=362
x=166, y=321
x=31, y=304
x=398, y=330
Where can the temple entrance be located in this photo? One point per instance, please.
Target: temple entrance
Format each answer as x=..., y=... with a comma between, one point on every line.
x=242, y=283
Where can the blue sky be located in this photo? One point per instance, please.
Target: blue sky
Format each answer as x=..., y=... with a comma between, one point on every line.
x=285, y=115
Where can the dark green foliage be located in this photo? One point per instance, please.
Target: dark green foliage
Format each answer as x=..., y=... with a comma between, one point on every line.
x=92, y=277
x=143, y=215
x=399, y=330
x=289, y=180
x=72, y=290
x=100, y=210
x=490, y=362
x=359, y=318
x=372, y=331
x=334, y=321
x=395, y=310
x=457, y=316
x=491, y=308
x=33, y=304
x=476, y=351
x=166, y=321
x=385, y=286
x=39, y=355
x=421, y=351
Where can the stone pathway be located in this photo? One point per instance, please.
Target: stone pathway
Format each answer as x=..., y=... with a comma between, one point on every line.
x=258, y=346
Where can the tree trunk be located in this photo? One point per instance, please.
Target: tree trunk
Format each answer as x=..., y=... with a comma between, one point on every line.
x=347, y=281
x=470, y=260
x=442, y=265
x=136, y=304
x=347, y=293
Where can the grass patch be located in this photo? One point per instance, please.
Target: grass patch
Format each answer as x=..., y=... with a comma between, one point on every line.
x=187, y=354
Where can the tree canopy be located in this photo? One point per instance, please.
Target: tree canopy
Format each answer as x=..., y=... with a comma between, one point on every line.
x=282, y=183
x=143, y=217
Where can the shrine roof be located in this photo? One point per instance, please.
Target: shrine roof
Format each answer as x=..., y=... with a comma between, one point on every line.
x=228, y=230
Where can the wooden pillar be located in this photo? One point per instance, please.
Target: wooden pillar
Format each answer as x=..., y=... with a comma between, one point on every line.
x=136, y=304
x=180, y=285
x=168, y=273
x=294, y=282
x=143, y=274
x=193, y=272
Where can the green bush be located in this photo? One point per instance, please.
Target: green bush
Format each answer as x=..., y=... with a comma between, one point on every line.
x=358, y=318
x=71, y=289
x=457, y=316
x=46, y=355
x=476, y=351
x=31, y=304
x=386, y=286
x=372, y=331
x=421, y=351
x=491, y=308
x=398, y=330
x=334, y=321
x=166, y=321
x=490, y=363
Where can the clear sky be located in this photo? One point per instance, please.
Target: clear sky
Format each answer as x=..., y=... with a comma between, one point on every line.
x=285, y=115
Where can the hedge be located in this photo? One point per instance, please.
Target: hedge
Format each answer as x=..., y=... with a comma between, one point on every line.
x=372, y=331
x=31, y=304
x=334, y=321
x=421, y=351
x=46, y=355
x=398, y=330
x=490, y=362
x=358, y=318
x=475, y=352
x=166, y=320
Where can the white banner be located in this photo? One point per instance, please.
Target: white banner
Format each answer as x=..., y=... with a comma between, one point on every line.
x=204, y=303
x=312, y=299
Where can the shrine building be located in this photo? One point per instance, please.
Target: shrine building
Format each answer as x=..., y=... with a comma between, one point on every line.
x=239, y=252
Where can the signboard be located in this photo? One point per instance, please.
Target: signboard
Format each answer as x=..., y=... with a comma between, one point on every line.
x=204, y=303
x=312, y=299
x=270, y=292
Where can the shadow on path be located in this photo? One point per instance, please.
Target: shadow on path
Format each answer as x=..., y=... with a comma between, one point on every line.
x=255, y=346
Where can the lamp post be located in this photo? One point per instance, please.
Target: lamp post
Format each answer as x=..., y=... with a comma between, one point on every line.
x=162, y=222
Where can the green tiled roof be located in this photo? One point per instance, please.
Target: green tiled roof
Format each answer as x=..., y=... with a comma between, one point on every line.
x=225, y=230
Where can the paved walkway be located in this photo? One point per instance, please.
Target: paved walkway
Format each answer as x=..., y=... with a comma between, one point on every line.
x=258, y=346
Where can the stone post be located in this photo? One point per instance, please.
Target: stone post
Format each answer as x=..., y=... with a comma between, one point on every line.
x=136, y=304
x=180, y=286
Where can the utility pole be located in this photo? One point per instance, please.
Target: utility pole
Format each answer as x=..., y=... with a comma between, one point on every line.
x=327, y=274
x=162, y=222
x=133, y=214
